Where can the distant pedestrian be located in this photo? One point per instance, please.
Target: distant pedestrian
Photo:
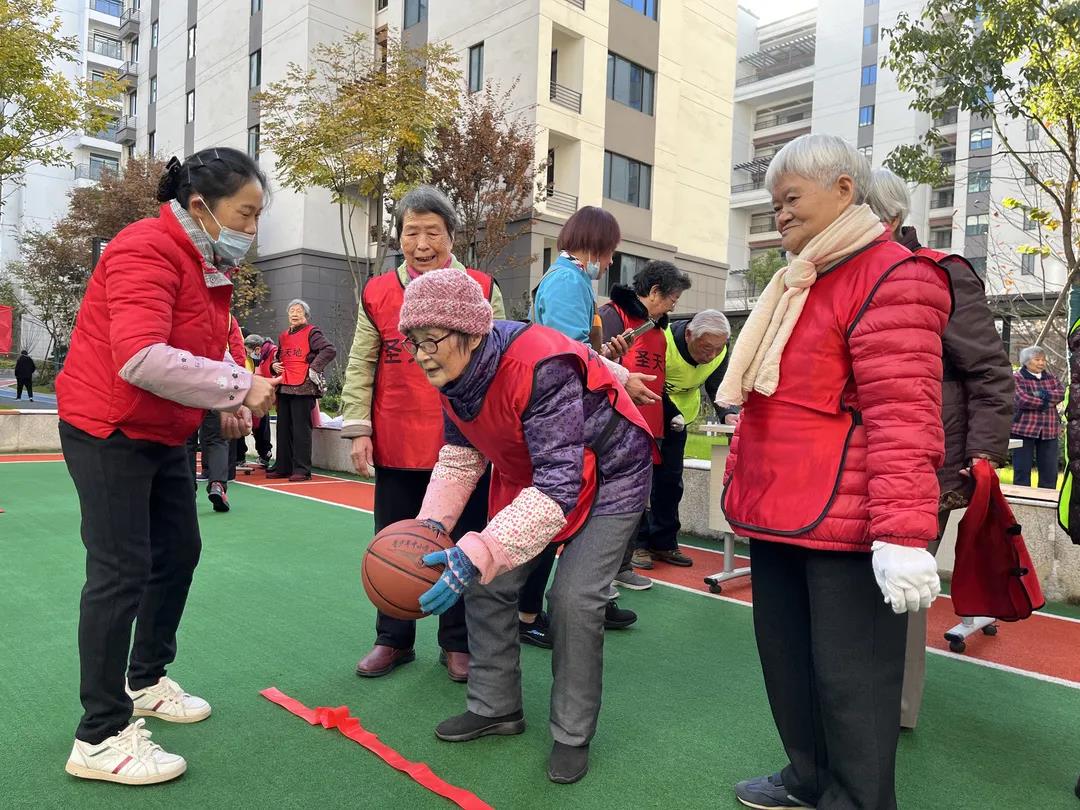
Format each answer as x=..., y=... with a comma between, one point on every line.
x=24, y=375
x=1035, y=420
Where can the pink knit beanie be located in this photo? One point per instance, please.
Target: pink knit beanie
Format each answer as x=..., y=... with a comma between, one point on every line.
x=449, y=299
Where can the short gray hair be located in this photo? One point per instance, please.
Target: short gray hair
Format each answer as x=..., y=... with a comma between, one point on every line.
x=823, y=159
x=254, y=340
x=299, y=302
x=427, y=200
x=1030, y=353
x=888, y=196
x=710, y=322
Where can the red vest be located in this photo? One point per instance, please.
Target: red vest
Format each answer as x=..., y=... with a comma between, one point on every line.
x=294, y=347
x=498, y=433
x=797, y=470
x=647, y=355
x=266, y=362
x=406, y=420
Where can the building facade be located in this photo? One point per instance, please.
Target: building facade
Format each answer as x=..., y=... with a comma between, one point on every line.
x=631, y=100
x=820, y=71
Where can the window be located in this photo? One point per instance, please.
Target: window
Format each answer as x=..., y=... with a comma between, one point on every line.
x=869, y=34
x=978, y=225
x=627, y=180
x=867, y=152
x=255, y=69
x=191, y=42
x=153, y=89
x=97, y=75
x=762, y=223
x=869, y=75
x=112, y=7
x=476, y=68
x=978, y=180
x=133, y=50
x=989, y=94
x=646, y=7
x=946, y=156
x=630, y=84
x=133, y=102
x=154, y=31
x=151, y=144
x=1029, y=180
x=946, y=118
x=381, y=5
x=1027, y=264
x=866, y=116
x=624, y=267
x=106, y=46
x=942, y=197
x=941, y=238
x=870, y=2
x=1033, y=129
x=982, y=138
x=256, y=6
x=130, y=151
x=253, y=142
x=191, y=107
x=415, y=12
x=100, y=163
x=1029, y=223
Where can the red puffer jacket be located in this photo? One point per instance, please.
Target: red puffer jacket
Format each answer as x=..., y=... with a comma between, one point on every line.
x=149, y=287
x=845, y=452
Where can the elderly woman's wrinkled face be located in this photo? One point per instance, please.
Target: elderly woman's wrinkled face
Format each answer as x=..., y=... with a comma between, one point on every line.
x=1037, y=364
x=804, y=208
x=425, y=241
x=658, y=304
x=441, y=354
x=297, y=316
x=705, y=348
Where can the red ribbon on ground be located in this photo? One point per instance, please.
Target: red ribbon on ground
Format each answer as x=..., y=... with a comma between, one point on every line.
x=349, y=726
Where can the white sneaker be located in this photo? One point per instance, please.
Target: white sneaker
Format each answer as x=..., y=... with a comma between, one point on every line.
x=167, y=701
x=128, y=758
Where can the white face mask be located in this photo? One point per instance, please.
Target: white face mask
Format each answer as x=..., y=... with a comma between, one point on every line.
x=593, y=269
x=230, y=244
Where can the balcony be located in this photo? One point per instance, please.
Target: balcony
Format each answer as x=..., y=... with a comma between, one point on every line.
x=777, y=59
x=108, y=134
x=106, y=47
x=948, y=118
x=93, y=171
x=941, y=199
x=114, y=8
x=564, y=96
x=126, y=129
x=579, y=3
x=781, y=118
x=561, y=202
x=753, y=185
x=763, y=228
x=129, y=72
x=129, y=24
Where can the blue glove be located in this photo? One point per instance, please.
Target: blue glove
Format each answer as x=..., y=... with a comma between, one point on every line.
x=457, y=576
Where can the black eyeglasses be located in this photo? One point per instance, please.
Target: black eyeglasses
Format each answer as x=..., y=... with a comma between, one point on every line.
x=429, y=347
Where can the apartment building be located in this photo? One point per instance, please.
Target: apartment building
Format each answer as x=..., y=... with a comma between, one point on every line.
x=820, y=71
x=631, y=100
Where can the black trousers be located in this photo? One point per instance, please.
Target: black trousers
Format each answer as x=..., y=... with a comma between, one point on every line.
x=667, y=491
x=398, y=496
x=1046, y=452
x=294, y=434
x=832, y=653
x=142, y=541
x=217, y=453
x=20, y=385
x=263, y=446
x=531, y=595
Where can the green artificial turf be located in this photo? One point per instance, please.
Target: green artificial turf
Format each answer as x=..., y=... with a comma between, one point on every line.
x=277, y=602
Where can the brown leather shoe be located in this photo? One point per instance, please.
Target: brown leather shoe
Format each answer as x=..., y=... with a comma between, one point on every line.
x=275, y=474
x=457, y=665
x=300, y=477
x=383, y=660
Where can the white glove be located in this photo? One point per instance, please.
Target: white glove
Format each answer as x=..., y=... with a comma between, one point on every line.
x=678, y=424
x=907, y=576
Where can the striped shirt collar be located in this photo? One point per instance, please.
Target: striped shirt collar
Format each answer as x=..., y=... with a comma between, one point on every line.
x=200, y=239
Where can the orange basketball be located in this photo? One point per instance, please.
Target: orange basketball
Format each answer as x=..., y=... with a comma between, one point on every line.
x=393, y=573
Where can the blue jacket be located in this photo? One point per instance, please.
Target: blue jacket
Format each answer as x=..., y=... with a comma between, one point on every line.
x=565, y=301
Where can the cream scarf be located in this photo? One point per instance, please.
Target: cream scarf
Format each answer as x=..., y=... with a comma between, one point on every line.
x=755, y=361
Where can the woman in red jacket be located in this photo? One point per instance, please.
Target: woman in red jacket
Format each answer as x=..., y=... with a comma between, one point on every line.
x=147, y=359
x=832, y=474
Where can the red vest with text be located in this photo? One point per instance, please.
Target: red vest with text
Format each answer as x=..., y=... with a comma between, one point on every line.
x=498, y=432
x=647, y=355
x=293, y=349
x=266, y=362
x=406, y=420
x=797, y=471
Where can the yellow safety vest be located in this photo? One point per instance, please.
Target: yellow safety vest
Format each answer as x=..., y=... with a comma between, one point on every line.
x=683, y=381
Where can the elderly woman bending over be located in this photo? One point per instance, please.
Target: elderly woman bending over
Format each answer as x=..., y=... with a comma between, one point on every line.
x=832, y=476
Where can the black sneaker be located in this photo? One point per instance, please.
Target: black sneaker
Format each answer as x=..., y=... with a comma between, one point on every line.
x=218, y=497
x=469, y=726
x=536, y=632
x=615, y=618
x=766, y=793
x=568, y=763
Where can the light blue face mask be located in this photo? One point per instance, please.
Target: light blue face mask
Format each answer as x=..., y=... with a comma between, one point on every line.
x=593, y=269
x=230, y=244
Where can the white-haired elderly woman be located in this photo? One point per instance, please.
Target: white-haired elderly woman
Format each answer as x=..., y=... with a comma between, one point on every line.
x=832, y=476
x=976, y=396
x=1035, y=419
x=303, y=354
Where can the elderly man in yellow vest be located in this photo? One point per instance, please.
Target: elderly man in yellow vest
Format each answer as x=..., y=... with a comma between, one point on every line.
x=697, y=353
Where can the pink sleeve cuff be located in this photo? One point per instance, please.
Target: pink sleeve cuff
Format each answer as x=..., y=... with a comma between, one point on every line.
x=486, y=553
x=621, y=372
x=180, y=376
x=520, y=531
